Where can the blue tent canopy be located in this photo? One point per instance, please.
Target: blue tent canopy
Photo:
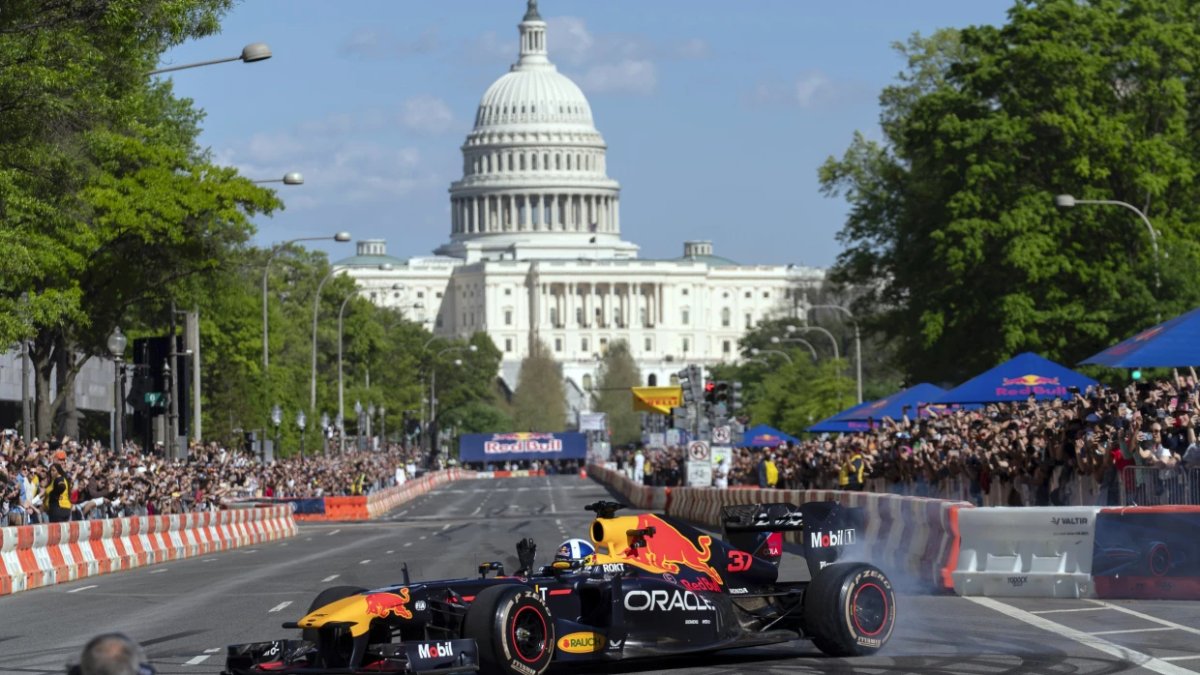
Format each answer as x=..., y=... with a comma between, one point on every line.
x=1170, y=344
x=763, y=436
x=1017, y=379
x=859, y=418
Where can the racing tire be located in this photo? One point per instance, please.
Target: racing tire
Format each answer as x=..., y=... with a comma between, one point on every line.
x=513, y=630
x=850, y=609
x=334, y=646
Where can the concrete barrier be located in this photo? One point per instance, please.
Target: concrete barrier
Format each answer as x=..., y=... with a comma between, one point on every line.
x=380, y=502
x=1041, y=552
x=1150, y=552
x=32, y=556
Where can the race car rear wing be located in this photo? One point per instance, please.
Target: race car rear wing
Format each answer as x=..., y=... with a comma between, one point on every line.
x=831, y=531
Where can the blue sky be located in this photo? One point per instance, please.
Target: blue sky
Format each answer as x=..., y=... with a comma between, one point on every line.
x=717, y=114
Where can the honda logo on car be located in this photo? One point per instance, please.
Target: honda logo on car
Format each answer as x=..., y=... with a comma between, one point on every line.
x=581, y=643
x=435, y=650
x=666, y=601
x=827, y=539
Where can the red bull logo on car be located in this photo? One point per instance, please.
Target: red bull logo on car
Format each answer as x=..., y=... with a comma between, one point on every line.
x=668, y=549
x=383, y=604
x=1030, y=384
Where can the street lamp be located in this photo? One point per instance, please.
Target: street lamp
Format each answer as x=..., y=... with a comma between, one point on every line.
x=857, y=342
x=775, y=340
x=255, y=51
x=325, y=434
x=290, y=178
x=340, y=236
x=116, y=347
x=433, y=443
x=1069, y=201
x=832, y=340
x=276, y=419
x=301, y=422
x=756, y=351
x=312, y=402
x=341, y=384
x=370, y=420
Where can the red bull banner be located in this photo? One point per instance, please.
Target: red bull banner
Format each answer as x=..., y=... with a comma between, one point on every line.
x=521, y=446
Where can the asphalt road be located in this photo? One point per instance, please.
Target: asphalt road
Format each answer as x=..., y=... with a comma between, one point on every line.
x=185, y=612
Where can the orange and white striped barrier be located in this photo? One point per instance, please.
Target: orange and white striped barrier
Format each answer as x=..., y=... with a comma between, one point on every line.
x=32, y=556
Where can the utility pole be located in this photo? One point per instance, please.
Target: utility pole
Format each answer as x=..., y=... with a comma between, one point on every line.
x=26, y=413
x=192, y=342
x=173, y=413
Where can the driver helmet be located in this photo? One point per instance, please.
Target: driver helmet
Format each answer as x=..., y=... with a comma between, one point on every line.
x=573, y=553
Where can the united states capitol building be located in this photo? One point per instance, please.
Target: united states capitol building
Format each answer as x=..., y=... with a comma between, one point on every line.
x=535, y=249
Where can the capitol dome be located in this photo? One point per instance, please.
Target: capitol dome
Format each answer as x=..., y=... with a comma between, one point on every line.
x=535, y=180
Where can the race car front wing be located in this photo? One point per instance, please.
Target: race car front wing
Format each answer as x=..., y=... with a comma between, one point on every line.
x=301, y=657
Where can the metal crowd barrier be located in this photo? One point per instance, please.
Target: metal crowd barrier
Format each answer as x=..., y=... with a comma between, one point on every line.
x=1154, y=486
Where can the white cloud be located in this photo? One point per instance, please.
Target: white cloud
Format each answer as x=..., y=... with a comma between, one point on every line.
x=568, y=40
x=625, y=77
x=808, y=91
x=426, y=113
x=373, y=43
x=693, y=50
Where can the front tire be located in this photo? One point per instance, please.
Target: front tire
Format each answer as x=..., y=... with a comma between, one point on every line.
x=850, y=609
x=513, y=630
x=335, y=646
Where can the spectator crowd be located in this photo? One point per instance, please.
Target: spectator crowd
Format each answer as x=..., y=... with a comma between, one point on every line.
x=62, y=479
x=1054, y=452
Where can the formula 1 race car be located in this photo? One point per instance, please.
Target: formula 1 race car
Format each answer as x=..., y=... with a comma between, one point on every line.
x=654, y=587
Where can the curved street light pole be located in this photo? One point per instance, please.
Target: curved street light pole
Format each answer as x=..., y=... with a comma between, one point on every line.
x=340, y=237
x=1069, y=201
x=756, y=351
x=290, y=178
x=857, y=342
x=255, y=51
x=775, y=340
x=433, y=441
x=832, y=340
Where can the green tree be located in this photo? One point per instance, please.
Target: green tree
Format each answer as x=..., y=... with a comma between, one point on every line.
x=619, y=373
x=952, y=221
x=795, y=395
x=539, y=403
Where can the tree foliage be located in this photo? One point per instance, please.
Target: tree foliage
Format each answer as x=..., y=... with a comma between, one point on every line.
x=952, y=220
x=619, y=373
x=539, y=403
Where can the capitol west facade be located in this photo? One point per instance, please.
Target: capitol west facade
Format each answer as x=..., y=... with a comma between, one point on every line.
x=535, y=250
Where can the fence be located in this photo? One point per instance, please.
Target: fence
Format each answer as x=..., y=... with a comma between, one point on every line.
x=1152, y=486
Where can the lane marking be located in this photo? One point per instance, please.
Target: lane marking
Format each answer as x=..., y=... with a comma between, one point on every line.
x=423, y=537
x=407, y=544
x=82, y=588
x=329, y=578
x=280, y=607
x=445, y=527
x=308, y=539
x=364, y=562
x=390, y=552
x=1100, y=644
x=1076, y=609
x=477, y=510
x=214, y=650
x=1180, y=658
x=157, y=571
x=1129, y=630
x=1147, y=617
x=208, y=560
x=197, y=660
x=402, y=512
x=334, y=532
x=558, y=522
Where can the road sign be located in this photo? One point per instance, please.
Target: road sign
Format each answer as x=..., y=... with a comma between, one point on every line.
x=722, y=434
x=698, y=451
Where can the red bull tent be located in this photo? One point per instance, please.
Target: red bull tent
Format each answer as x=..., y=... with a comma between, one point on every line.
x=1174, y=343
x=1017, y=379
x=865, y=415
x=763, y=436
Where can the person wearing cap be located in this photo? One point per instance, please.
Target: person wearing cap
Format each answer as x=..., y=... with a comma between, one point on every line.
x=58, y=491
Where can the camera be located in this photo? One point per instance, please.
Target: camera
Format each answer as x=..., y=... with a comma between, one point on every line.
x=1073, y=389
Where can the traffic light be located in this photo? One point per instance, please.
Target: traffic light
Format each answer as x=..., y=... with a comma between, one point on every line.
x=735, y=396
x=691, y=383
x=710, y=393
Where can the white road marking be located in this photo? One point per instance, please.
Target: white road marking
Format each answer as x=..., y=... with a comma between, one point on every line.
x=407, y=544
x=1180, y=658
x=1124, y=653
x=308, y=539
x=82, y=588
x=208, y=560
x=423, y=537
x=331, y=577
x=158, y=571
x=558, y=522
x=1147, y=617
x=445, y=527
x=1130, y=630
x=333, y=532
x=214, y=650
x=477, y=510
x=390, y=552
x=364, y=562
x=1075, y=609
x=197, y=660
x=280, y=607
x=402, y=512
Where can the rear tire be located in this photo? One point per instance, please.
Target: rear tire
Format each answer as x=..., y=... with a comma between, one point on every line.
x=850, y=609
x=334, y=645
x=513, y=630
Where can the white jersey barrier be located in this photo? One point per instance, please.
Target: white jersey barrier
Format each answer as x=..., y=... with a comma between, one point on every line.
x=380, y=503
x=48, y=554
x=1040, y=552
